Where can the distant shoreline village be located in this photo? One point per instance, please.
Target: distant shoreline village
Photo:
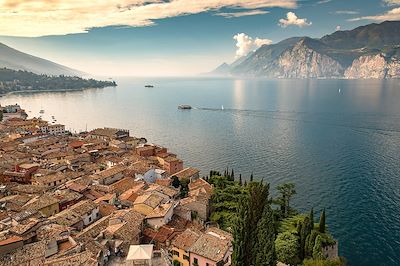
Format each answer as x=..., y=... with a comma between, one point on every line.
x=104, y=197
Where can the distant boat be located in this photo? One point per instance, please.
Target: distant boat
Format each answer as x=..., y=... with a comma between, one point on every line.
x=184, y=107
x=222, y=107
x=340, y=90
x=149, y=86
x=41, y=111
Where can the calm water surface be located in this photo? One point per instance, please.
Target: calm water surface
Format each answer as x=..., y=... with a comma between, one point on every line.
x=340, y=148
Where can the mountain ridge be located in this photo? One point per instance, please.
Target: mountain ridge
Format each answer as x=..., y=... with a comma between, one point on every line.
x=342, y=54
x=17, y=60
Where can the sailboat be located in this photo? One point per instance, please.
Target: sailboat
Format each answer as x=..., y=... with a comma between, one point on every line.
x=339, y=90
x=222, y=107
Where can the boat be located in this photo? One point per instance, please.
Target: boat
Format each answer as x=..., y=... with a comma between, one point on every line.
x=184, y=107
x=149, y=86
x=222, y=107
x=41, y=111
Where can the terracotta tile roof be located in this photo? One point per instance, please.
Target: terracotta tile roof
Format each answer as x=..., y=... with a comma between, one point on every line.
x=211, y=246
x=160, y=211
x=151, y=200
x=186, y=240
x=169, y=191
x=186, y=173
x=10, y=240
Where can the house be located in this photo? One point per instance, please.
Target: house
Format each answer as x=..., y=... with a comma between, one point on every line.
x=108, y=134
x=181, y=244
x=200, y=187
x=67, y=198
x=46, y=204
x=172, y=165
x=212, y=248
x=160, y=215
x=109, y=176
x=145, y=204
x=78, y=215
x=56, y=129
x=10, y=244
x=140, y=255
x=146, y=150
x=198, y=205
x=190, y=174
x=167, y=193
x=30, y=254
x=21, y=174
x=124, y=229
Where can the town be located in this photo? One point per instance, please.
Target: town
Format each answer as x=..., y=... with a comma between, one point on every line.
x=100, y=197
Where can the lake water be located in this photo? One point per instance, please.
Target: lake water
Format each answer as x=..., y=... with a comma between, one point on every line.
x=337, y=140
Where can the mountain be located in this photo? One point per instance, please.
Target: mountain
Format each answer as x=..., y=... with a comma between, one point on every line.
x=221, y=70
x=371, y=51
x=14, y=59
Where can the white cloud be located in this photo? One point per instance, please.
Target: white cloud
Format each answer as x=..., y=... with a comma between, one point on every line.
x=56, y=17
x=292, y=19
x=392, y=2
x=393, y=14
x=242, y=14
x=346, y=12
x=246, y=44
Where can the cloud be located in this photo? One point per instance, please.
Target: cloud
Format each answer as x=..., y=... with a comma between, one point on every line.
x=393, y=14
x=242, y=14
x=292, y=19
x=346, y=12
x=57, y=17
x=246, y=44
x=392, y=2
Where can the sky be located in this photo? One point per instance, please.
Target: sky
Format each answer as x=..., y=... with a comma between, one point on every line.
x=171, y=37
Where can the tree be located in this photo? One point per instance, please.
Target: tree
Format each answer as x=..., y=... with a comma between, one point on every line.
x=240, y=180
x=175, y=182
x=287, y=246
x=311, y=219
x=251, y=177
x=265, y=246
x=322, y=222
x=1, y=115
x=232, y=177
x=240, y=235
x=317, y=249
x=287, y=191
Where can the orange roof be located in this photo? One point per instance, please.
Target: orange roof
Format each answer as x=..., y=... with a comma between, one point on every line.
x=10, y=240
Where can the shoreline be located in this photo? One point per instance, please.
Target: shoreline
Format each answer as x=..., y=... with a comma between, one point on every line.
x=52, y=90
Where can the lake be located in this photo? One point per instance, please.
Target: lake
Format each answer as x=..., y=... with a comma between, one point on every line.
x=337, y=140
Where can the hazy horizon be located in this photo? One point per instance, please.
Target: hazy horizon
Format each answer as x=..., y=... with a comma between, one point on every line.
x=179, y=38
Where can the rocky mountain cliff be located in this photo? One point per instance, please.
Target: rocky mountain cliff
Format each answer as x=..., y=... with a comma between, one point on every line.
x=371, y=51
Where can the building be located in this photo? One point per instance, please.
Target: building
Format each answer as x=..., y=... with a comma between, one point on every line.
x=78, y=215
x=46, y=204
x=160, y=215
x=109, y=176
x=213, y=248
x=172, y=165
x=181, y=244
x=145, y=204
x=108, y=134
x=21, y=174
x=189, y=174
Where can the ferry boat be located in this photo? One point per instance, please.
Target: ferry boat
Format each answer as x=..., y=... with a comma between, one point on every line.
x=184, y=107
x=149, y=86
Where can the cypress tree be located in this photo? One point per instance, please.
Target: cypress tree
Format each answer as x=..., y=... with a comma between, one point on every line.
x=240, y=180
x=322, y=222
x=265, y=246
x=311, y=219
x=245, y=183
x=251, y=177
x=240, y=235
x=232, y=175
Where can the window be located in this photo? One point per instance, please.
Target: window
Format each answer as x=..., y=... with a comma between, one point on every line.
x=196, y=261
x=207, y=264
x=176, y=253
x=186, y=258
x=90, y=219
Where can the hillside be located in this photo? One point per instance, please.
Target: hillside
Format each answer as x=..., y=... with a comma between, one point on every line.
x=18, y=80
x=371, y=51
x=14, y=59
